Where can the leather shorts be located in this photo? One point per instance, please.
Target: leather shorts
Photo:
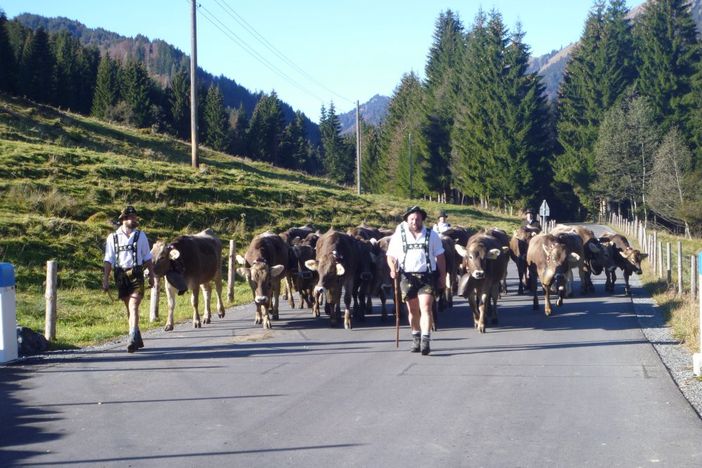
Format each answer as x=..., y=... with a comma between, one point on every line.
x=414, y=284
x=129, y=280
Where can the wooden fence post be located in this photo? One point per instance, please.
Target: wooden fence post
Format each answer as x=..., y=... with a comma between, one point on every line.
x=659, y=254
x=680, y=269
x=668, y=271
x=50, y=296
x=654, y=251
x=230, y=272
x=693, y=276
x=697, y=357
x=155, y=297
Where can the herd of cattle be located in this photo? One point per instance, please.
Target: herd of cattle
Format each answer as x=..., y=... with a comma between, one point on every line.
x=321, y=266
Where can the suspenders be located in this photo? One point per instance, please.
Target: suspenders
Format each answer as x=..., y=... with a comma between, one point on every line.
x=415, y=246
x=123, y=248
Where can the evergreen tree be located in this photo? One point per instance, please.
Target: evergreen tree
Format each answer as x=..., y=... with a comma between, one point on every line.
x=294, y=149
x=441, y=89
x=238, y=127
x=500, y=137
x=106, y=88
x=266, y=128
x=179, y=104
x=36, y=68
x=8, y=66
x=404, y=156
x=338, y=158
x=136, y=91
x=216, y=120
x=596, y=77
x=66, y=73
x=85, y=76
x=372, y=179
x=667, y=49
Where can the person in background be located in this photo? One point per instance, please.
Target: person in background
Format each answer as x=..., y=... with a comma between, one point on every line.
x=530, y=222
x=441, y=225
x=127, y=252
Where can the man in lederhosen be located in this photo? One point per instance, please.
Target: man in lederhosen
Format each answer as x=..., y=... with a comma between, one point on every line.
x=127, y=251
x=416, y=253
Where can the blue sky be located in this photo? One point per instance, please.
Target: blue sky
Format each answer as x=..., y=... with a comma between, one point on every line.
x=325, y=50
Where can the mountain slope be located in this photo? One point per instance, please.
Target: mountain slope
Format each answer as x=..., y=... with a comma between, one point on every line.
x=372, y=112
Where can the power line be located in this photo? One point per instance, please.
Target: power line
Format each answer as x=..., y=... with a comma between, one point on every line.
x=261, y=39
x=232, y=36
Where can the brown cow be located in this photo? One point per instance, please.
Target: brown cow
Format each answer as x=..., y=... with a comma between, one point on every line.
x=574, y=244
x=336, y=262
x=547, y=259
x=302, y=278
x=190, y=263
x=263, y=267
x=597, y=256
x=625, y=257
x=452, y=260
x=485, y=261
x=518, y=246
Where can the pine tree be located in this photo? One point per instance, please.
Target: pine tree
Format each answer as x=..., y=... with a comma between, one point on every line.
x=294, y=149
x=441, y=89
x=179, y=104
x=65, y=74
x=596, y=77
x=8, y=65
x=667, y=50
x=371, y=178
x=238, y=127
x=338, y=158
x=266, y=128
x=85, y=77
x=106, y=88
x=216, y=120
x=36, y=68
x=136, y=92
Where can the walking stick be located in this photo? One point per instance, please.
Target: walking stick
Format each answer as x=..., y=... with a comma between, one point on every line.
x=398, y=305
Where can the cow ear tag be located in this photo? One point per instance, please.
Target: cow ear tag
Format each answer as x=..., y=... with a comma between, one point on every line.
x=174, y=254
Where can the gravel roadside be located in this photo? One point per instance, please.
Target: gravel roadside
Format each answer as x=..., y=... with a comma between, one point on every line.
x=676, y=358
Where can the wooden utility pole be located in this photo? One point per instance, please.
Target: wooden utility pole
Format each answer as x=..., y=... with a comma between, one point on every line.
x=50, y=296
x=358, y=149
x=193, y=86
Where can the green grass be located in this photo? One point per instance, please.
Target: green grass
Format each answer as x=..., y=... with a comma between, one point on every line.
x=65, y=177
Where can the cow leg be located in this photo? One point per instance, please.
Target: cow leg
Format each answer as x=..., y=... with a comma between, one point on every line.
x=484, y=302
x=569, y=283
x=206, y=295
x=522, y=276
x=547, y=298
x=171, y=296
x=275, y=299
x=290, y=288
x=266, y=316
x=493, y=311
x=347, y=309
x=627, y=289
x=218, y=291
x=383, y=307
x=532, y=286
x=194, y=298
x=473, y=301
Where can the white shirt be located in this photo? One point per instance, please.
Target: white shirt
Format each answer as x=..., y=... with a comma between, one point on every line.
x=441, y=227
x=416, y=261
x=124, y=259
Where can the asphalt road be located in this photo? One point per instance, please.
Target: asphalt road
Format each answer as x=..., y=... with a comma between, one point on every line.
x=580, y=388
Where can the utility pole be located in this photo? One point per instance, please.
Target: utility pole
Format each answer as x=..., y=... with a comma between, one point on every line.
x=411, y=165
x=358, y=149
x=193, y=86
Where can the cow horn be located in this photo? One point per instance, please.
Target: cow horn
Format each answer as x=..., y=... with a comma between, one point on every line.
x=575, y=256
x=311, y=264
x=174, y=254
x=493, y=254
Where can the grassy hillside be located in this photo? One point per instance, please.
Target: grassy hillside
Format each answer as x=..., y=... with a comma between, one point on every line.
x=64, y=178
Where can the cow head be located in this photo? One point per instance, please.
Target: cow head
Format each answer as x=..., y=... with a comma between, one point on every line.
x=556, y=264
x=476, y=256
x=167, y=257
x=260, y=276
x=330, y=271
x=634, y=258
x=600, y=256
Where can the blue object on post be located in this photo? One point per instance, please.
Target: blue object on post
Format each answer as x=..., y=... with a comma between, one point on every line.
x=699, y=263
x=8, y=317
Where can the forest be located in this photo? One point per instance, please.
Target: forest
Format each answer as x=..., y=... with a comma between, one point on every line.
x=623, y=133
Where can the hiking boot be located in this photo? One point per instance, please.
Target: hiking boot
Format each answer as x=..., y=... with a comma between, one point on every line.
x=415, y=343
x=425, y=346
x=133, y=343
x=139, y=342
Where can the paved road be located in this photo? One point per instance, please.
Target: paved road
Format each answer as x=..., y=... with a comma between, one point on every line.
x=580, y=388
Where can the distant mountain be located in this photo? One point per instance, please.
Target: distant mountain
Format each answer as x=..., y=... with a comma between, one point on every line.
x=551, y=67
x=162, y=60
x=372, y=112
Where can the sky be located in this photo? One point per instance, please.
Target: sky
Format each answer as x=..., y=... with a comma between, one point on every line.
x=314, y=52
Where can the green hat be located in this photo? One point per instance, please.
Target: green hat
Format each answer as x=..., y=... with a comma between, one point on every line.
x=414, y=209
x=442, y=214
